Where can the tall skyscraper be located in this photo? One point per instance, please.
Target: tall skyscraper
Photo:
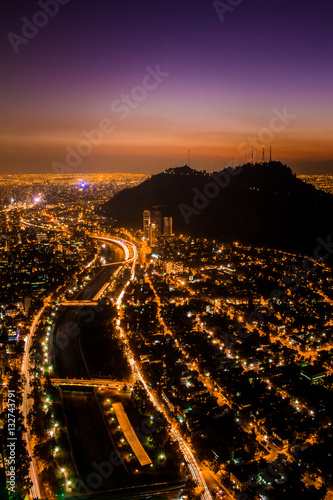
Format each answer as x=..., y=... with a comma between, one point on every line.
x=146, y=224
x=153, y=225
x=167, y=228
x=156, y=218
x=153, y=234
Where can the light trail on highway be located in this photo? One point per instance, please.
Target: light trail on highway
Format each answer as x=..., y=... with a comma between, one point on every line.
x=115, y=241
x=124, y=244
x=184, y=447
x=25, y=403
x=194, y=468
x=127, y=247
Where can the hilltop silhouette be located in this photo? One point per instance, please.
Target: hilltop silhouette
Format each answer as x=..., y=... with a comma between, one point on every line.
x=261, y=204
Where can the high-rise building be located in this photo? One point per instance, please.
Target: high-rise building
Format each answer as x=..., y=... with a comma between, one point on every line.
x=153, y=234
x=167, y=228
x=156, y=218
x=146, y=224
x=153, y=225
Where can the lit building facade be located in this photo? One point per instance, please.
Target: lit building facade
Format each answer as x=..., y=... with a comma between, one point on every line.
x=167, y=226
x=146, y=224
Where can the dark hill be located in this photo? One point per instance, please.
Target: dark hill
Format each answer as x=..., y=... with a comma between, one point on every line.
x=261, y=204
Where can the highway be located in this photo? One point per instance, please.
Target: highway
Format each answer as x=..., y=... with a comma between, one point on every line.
x=130, y=256
x=82, y=411
x=127, y=247
x=68, y=356
x=25, y=404
x=96, y=286
x=184, y=447
x=101, y=280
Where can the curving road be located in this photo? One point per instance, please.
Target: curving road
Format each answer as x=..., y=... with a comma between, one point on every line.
x=25, y=403
x=131, y=255
x=184, y=447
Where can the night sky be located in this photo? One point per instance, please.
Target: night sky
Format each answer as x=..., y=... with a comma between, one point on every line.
x=221, y=81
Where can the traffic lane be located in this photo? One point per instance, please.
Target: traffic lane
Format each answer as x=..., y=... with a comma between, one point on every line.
x=103, y=276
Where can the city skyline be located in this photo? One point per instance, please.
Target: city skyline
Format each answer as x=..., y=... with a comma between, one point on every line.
x=198, y=75
x=166, y=250
x=166, y=349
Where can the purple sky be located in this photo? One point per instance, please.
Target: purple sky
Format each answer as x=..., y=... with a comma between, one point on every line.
x=225, y=79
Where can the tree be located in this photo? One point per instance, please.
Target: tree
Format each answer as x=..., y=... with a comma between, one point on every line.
x=192, y=490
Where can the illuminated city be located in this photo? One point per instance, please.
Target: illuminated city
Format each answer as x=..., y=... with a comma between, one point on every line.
x=166, y=250
x=216, y=353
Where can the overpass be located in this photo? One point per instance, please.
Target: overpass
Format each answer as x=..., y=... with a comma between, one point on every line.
x=94, y=382
x=129, y=248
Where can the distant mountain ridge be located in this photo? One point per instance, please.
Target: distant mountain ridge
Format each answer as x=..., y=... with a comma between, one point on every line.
x=261, y=204
x=323, y=167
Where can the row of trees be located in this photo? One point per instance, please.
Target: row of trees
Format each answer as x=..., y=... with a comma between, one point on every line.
x=41, y=419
